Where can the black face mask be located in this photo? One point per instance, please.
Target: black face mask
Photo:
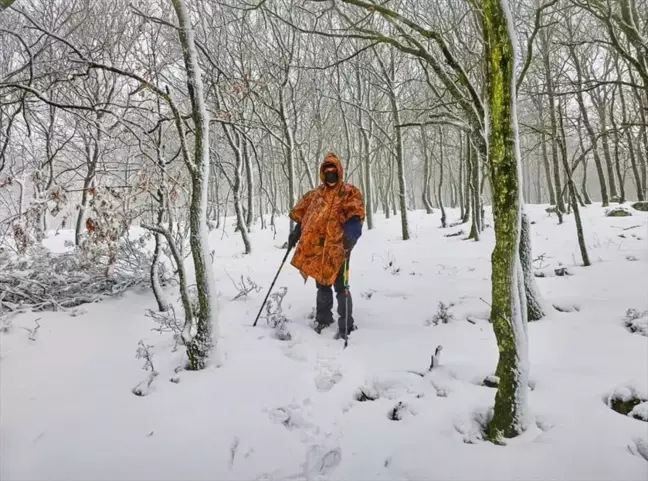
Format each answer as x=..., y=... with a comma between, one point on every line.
x=331, y=177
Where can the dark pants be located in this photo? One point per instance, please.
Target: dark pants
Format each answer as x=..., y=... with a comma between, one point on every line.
x=323, y=311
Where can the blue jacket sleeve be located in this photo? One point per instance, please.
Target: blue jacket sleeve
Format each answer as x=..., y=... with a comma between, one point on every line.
x=353, y=228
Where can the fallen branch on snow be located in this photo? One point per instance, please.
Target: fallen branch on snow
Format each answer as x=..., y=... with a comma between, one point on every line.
x=45, y=280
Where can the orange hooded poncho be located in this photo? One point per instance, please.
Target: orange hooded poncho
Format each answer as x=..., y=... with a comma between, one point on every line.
x=322, y=213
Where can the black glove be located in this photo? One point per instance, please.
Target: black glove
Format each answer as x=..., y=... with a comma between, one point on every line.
x=348, y=243
x=294, y=236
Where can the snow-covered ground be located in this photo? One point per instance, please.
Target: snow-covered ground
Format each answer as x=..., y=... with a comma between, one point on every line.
x=289, y=409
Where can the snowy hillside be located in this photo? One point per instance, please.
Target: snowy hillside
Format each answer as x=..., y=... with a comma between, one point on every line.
x=305, y=408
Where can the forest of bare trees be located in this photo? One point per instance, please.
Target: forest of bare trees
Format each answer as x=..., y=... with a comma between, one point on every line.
x=175, y=115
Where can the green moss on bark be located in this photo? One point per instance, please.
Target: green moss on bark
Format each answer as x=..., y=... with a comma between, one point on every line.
x=500, y=68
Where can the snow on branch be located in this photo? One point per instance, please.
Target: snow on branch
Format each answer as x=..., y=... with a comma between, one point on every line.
x=244, y=286
x=275, y=317
x=144, y=351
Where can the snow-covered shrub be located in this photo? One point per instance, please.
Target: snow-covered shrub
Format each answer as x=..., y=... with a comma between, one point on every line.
x=33, y=200
x=637, y=322
x=624, y=399
x=144, y=351
x=244, y=287
x=640, y=411
x=5, y=319
x=399, y=411
x=43, y=280
x=639, y=447
x=168, y=322
x=389, y=265
x=642, y=206
x=275, y=317
x=364, y=394
x=105, y=226
x=618, y=211
x=442, y=315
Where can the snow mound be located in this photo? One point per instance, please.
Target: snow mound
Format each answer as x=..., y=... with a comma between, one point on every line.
x=640, y=411
x=637, y=322
x=641, y=206
x=618, y=212
x=639, y=447
x=389, y=386
x=624, y=399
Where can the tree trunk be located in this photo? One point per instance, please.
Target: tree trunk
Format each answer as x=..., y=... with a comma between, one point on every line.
x=249, y=178
x=572, y=194
x=92, y=158
x=547, y=169
x=158, y=292
x=617, y=156
x=560, y=206
x=534, y=303
x=367, y=138
x=588, y=127
x=289, y=150
x=388, y=189
x=585, y=194
x=508, y=312
x=467, y=179
x=642, y=153
x=475, y=228
x=400, y=163
x=631, y=144
x=425, y=196
x=606, y=150
x=462, y=207
x=440, y=188
x=200, y=344
x=241, y=224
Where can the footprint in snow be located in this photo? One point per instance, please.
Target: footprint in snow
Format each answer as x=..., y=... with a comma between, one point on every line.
x=292, y=417
x=328, y=375
x=321, y=461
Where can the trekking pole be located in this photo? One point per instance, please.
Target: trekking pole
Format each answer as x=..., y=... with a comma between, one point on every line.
x=346, y=302
x=271, y=286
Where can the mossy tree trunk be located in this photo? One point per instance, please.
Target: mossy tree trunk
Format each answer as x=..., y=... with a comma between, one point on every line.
x=508, y=312
x=199, y=340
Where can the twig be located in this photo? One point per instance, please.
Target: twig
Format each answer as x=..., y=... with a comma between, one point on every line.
x=436, y=357
x=32, y=332
x=633, y=227
x=485, y=302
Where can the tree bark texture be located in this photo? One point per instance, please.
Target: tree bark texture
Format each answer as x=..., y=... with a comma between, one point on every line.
x=508, y=312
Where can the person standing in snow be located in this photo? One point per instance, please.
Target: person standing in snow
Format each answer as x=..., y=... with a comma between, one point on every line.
x=329, y=223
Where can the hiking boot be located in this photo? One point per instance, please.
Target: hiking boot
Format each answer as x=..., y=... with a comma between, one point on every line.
x=340, y=335
x=320, y=326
